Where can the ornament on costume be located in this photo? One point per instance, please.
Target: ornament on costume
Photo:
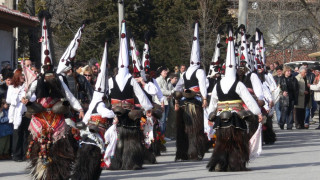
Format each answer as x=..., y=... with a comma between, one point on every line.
x=146, y=54
x=230, y=71
x=195, y=52
x=244, y=58
x=46, y=58
x=135, y=59
x=215, y=65
x=68, y=56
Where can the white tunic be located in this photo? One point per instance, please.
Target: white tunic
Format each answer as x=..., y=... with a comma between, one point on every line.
x=266, y=92
x=104, y=112
x=202, y=78
x=143, y=99
x=150, y=88
x=75, y=104
x=159, y=94
x=241, y=90
x=256, y=86
x=271, y=83
x=267, y=96
x=17, y=108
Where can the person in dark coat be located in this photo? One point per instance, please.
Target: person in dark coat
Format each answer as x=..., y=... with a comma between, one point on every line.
x=289, y=97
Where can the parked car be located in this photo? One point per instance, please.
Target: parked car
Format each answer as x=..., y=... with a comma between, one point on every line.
x=311, y=64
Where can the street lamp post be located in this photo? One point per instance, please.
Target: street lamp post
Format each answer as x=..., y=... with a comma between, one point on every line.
x=255, y=7
x=121, y=14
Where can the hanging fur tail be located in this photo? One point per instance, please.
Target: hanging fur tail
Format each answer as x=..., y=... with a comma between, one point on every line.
x=87, y=165
x=194, y=128
x=268, y=134
x=58, y=161
x=155, y=147
x=129, y=153
x=231, y=152
x=182, y=142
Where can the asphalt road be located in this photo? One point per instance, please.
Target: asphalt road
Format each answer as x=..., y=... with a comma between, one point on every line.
x=295, y=155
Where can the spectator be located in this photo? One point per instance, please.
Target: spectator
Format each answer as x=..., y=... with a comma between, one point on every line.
x=6, y=131
x=172, y=81
x=271, y=68
x=171, y=125
x=304, y=100
x=316, y=88
x=80, y=88
x=15, y=97
x=295, y=72
x=161, y=80
x=95, y=72
x=275, y=65
x=7, y=75
x=27, y=63
x=88, y=74
x=289, y=86
x=35, y=70
x=176, y=69
x=182, y=70
x=310, y=77
x=277, y=79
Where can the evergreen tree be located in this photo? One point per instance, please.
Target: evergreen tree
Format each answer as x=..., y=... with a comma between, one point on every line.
x=169, y=22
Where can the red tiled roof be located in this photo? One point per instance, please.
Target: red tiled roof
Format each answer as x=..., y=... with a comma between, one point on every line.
x=18, y=13
x=286, y=56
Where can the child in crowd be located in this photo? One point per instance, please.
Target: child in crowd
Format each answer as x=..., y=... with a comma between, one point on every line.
x=6, y=131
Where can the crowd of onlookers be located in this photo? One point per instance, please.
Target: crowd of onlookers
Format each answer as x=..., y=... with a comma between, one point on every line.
x=298, y=100
x=14, y=131
x=299, y=94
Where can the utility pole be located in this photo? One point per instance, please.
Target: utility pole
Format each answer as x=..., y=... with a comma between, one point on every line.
x=243, y=12
x=121, y=14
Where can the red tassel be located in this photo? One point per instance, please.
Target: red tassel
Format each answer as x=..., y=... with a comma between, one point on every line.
x=242, y=57
x=103, y=165
x=135, y=69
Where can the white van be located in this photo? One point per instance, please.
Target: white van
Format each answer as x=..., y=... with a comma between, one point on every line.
x=311, y=64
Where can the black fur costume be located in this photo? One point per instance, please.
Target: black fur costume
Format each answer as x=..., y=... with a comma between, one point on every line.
x=60, y=155
x=129, y=153
x=231, y=152
x=155, y=147
x=87, y=165
x=268, y=134
x=191, y=141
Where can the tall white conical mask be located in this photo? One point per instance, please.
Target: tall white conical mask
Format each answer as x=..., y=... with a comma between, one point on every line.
x=101, y=83
x=252, y=53
x=244, y=57
x=248, y=52
x=195, y=52
x=46, y=58
x=146, y=57
x=262, y=49
x=70, y=53
x=231, y=69
x=101, y=87
x=257, y=49
x=123, y=59
x=135, y=59
x=215, y=62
